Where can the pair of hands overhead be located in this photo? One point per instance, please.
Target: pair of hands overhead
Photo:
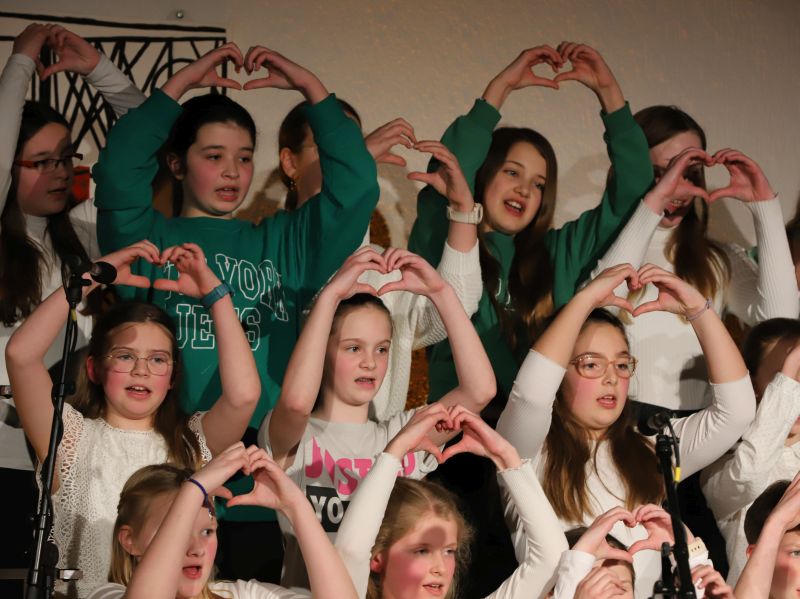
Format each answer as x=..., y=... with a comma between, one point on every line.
x=477, y=437
x=73, y=53
x=602, y=583
x=747, y=181
x=674, y=294
x=417, y=275
x=272, y=487
x=587, y=67
x=195, y=277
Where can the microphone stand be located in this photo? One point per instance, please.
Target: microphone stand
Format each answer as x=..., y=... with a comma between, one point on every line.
x=665, y=588
x=43, y=571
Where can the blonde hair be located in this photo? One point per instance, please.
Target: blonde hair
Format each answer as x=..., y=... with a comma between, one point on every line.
x=409, y=502
x=140, y=491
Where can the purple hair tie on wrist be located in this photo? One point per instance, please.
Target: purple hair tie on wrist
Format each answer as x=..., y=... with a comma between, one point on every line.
x=700, y=312
x=206, y=501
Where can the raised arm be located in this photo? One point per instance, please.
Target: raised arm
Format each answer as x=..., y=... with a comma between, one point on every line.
x=526, y=418
x=756, y=578
x=14, y=81
x=769, y=289
x=273, y=489
x=28, y=345
x=128, y=163
x=226, y=421
x=707, y=434
x=301, y=383
x=476, y=382
x=76, y=55
x=731, y=484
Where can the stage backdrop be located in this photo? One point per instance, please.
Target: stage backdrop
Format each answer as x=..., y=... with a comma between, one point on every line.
x=732, y=64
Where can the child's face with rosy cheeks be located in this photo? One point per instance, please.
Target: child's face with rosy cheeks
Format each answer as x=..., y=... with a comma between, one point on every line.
x=596, y=403
x=198, y=561
x=43, y=194
x=133, y=398
x=513, y=196
x=357, y=356
x=422, y=563
x=217, y=170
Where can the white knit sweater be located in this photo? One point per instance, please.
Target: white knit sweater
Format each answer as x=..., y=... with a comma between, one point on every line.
x=672, y=371
x=734, y=481
x=122, y=95
x=704, y=436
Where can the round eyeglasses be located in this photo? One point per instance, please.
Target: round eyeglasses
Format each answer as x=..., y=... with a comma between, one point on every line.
x=48, y=165
x=592, y=366
x=125, y=361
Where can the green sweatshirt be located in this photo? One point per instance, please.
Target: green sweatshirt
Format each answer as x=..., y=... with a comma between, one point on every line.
x=573, y=249
x=274, y=268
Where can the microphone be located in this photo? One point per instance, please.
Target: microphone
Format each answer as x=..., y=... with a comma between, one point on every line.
x=102, y=272
x=653, y=424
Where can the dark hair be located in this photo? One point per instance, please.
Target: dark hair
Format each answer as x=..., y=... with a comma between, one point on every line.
x=356, y=301
x=196, y=112
x=697, y=259
x=22, y=262
x=170, y=420
x=761, y=508
x=765, y=333
x=292, y=134
x=530, y=278
x=567, y=446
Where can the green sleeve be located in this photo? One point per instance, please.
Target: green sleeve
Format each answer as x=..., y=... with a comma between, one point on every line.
x=469, y=138
x=329, y=227
x=576, y=247
x=125, y=170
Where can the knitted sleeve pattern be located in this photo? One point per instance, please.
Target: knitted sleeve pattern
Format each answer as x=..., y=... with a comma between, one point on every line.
x=196, y=426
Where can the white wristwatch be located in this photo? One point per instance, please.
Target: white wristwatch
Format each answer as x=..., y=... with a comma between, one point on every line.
x=473, y=217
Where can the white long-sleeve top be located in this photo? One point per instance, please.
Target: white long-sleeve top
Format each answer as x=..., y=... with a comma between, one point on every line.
x=416, y=322
x=704, y=436
x=122, y=95
x=544, y=540
x=672, y=371
x=734, y=481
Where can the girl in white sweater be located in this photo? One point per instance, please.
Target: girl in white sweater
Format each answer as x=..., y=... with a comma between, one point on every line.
x=403, y=538
x=669, y=230
x=165, y=534
x=769, y=451
x=581, y=367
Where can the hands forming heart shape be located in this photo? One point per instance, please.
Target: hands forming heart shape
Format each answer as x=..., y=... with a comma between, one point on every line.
x=674, y=294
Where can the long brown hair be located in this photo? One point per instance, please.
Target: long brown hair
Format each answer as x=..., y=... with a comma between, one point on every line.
x=530, y=279
x=696, y=258
x=410, y=501
x=567, y=449
x=22, y=263
x=170, y=421
x=140, y=491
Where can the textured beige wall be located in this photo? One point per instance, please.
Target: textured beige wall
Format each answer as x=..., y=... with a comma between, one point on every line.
x=734, y=65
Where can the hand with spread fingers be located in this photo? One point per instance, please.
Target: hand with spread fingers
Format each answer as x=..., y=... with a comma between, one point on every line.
x=481, y=439
x=747, y=181
x=417, y=275
x=344, y=283
x=594, y=540
x=414, y=436
x=589, y=68
x=448, y=179
x=519, y=74
x=73, y=53
x=674, y=294
x=398, y=132
x=282, y=73
x=203, y=72
x=195, y=277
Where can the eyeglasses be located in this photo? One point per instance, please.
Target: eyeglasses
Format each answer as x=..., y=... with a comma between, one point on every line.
x=125, y=361
x=48, y=165
x=592, y=366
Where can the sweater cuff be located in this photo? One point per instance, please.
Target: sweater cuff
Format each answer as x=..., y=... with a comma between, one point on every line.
x=162, y=112
x=325, y=115
x=766, y=209
x=102, y=69
x=618, y=121
x=459, y=263
x=22, y=61
x=484, y=114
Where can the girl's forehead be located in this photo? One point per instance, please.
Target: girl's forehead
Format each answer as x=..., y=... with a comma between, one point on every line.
x=224, y=133
x=600, y=338
x=365, y=322
x=148, y=335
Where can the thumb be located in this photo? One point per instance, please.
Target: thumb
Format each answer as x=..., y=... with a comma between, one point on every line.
x=51, y=70
x=432, y=179
x=165, y=285
x=390, y=158
x=646, y=307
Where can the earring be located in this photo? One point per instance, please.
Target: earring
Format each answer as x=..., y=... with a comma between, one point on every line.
x=292, y=185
